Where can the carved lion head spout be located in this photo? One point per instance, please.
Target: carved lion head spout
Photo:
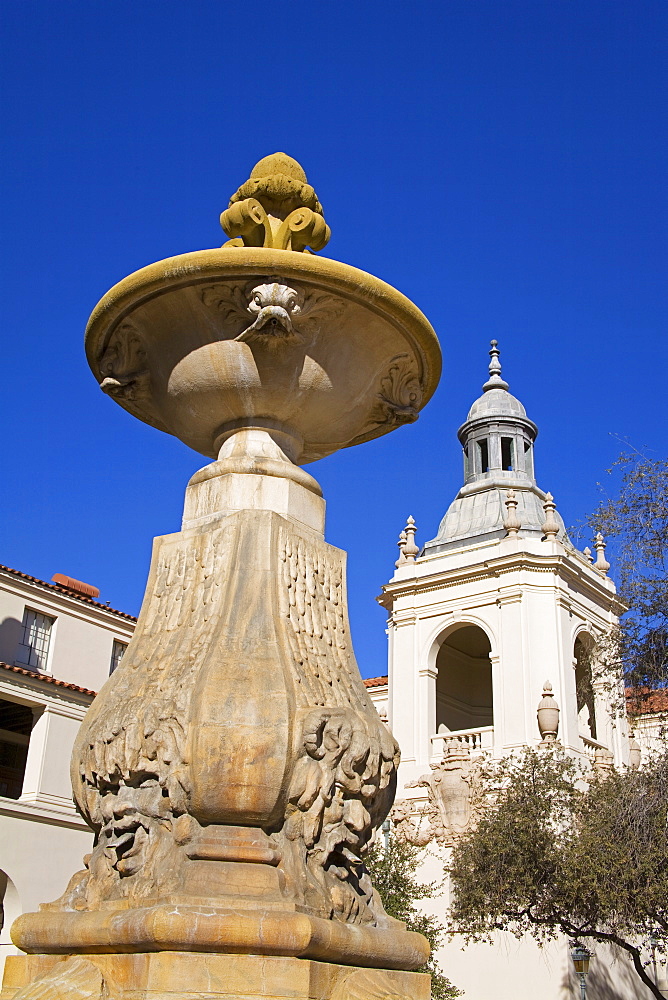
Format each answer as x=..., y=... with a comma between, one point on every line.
x=275, y=307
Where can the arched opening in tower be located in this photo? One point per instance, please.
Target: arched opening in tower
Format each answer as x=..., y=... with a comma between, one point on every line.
x=464, y=681
x=582, y=657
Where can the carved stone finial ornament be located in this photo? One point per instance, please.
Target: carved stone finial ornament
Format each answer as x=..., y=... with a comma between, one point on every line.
x=233, y=767
x=601, y=564
x=635, y=753
x=401, y=543
x=548, y=715
x=603, y=762
x=276, y=208
x=411, y=550
x=550, y=527
x=512, y=523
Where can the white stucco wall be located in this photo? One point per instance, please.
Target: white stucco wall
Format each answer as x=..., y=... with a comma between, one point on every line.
x=42, y=838
x=39, y=857
x=82, y=635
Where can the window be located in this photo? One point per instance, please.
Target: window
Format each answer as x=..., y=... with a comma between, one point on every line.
x=467, y=471
x=117, y=651
x=16, y=723
x=33, y=649
x=484, y=455
x=507, y=454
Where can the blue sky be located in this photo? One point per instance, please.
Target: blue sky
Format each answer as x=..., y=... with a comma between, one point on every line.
x=502, y=163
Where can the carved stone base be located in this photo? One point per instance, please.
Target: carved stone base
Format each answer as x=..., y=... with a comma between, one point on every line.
x=171, y=975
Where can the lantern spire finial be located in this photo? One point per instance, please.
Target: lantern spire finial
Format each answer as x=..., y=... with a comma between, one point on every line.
x=495, y=381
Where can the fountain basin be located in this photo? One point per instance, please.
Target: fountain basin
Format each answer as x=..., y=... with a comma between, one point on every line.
x=321, y=354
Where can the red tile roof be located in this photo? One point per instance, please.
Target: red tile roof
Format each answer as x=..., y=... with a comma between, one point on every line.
x=46, y=679
x=375, y=682
x=68, y=593
x=645, y=702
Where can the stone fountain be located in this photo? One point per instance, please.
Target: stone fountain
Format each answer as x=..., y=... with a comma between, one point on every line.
x=233, y=768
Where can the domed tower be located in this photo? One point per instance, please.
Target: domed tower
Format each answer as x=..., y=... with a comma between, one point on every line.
x=496, y=605
x=498, y=441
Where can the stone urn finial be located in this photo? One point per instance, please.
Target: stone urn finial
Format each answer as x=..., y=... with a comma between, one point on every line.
x=512, y=523
x=401, y=543
x=603, y=762
x=635, y=753
x=601, y=564
x=550, y=527
x=548, y=715
x=411, y=550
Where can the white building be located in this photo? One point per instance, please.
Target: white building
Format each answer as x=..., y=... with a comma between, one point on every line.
x=492, y=609
x=57, y=647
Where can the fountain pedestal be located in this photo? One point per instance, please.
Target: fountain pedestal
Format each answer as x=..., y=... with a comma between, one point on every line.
x=232, y=767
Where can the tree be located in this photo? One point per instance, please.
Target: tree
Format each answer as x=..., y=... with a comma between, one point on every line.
x=394, y=873
x=636, y=522
x=555, y=854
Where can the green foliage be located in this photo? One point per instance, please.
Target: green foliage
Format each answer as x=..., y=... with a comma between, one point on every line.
x=635, y=522
x=394, y=874
x=553, y=853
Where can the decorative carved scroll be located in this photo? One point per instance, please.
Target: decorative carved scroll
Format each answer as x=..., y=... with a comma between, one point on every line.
x=75, y=978
x=399, y=398
x=280, y=313
x=123, y=365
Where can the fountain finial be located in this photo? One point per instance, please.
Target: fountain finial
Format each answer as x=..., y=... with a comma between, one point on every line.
x=277, y=208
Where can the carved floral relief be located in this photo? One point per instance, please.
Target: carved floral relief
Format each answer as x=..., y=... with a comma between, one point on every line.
x=399, y=396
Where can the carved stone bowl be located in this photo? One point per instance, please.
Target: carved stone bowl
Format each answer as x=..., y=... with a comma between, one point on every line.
x=319, y=353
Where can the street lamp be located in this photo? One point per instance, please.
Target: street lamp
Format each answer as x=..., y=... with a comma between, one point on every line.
x=581, y=957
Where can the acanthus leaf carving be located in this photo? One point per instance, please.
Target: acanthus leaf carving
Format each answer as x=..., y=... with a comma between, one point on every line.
x=399, y=396
x=123, y=365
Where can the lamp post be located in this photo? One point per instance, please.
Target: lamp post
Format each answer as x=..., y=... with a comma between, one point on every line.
x=581, y=957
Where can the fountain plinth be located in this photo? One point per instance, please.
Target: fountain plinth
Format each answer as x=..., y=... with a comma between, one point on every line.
x=233, y=768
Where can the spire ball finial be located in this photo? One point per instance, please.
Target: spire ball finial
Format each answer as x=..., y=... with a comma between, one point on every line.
x=495, y=381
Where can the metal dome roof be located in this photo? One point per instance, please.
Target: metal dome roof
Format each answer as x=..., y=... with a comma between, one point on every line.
x=496, y=402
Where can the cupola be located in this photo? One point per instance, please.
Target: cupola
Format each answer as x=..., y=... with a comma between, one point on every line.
x=497, y=437
x=498, y=444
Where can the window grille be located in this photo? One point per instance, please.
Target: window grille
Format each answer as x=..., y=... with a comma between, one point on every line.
x=117, y=651
x=33, y=648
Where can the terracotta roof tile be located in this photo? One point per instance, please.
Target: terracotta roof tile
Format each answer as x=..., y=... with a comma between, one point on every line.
x=375, y=682
x=68, y=593
x=47, y=679
x=645, y=702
